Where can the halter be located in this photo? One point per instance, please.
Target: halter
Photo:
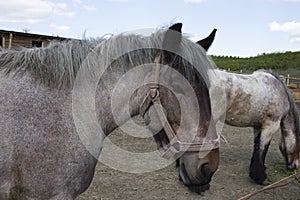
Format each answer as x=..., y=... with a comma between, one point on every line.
x=175, y=146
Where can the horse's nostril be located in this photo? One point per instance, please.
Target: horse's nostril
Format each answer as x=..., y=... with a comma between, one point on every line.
x=205, y=169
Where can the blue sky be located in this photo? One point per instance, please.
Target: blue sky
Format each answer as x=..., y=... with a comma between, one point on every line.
x=245, y=28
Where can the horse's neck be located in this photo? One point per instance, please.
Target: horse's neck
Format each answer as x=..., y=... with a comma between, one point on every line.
x=117, y=101
x=218, y=94
x=224, y=90
x=221, y=82
x=223, y=78
x=228, y=81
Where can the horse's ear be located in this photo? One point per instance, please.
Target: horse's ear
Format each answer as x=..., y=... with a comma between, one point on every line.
x=206, y=42
x=171, y=42
x=176, y=27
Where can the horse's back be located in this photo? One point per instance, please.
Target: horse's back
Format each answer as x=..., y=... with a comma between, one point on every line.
x=41, y=154
x=253, y=98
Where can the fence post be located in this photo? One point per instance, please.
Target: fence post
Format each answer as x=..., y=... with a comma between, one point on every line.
x=3, y=42
x=10, y=40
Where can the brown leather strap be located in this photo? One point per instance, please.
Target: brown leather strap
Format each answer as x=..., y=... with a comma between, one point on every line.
x=154, y=92
x=175, y=146
x=163, y=119
x=148, y=101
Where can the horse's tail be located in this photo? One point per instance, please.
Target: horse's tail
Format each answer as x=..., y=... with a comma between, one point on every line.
x=293, y=112
x=290, y=127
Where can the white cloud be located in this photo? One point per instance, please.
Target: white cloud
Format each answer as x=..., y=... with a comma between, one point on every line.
x=119, y=0
x=295, y=39
x=61, y=5
x=89, y=8
x=61, y=28
x=61, y=9
x=32, y=11
x=194, y=1
x=292, y=28
x=78, y=1
x=24, y=11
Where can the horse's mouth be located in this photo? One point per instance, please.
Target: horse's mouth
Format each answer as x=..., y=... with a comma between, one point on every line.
x=199, y=189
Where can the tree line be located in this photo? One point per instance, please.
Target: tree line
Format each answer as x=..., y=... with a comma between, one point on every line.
x=278, y=61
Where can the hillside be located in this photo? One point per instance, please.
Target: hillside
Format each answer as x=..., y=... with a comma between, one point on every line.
x=276, y=61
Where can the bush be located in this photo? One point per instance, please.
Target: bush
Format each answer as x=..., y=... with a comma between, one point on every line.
x=278, y=61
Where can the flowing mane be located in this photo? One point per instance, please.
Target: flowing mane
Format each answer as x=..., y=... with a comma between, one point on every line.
x=57, y=64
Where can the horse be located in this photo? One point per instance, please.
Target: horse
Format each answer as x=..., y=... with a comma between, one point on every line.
x=262, y=101
x=55, y=109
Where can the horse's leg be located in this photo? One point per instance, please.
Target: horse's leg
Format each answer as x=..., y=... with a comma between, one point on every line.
x=289, y=146
x=257, y=170
x=262, y=139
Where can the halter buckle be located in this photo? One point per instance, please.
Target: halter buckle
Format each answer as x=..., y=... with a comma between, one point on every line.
x=154, y=92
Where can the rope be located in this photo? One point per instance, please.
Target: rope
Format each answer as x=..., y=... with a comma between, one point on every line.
x=274, y=185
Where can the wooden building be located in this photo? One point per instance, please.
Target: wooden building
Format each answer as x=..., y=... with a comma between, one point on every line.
x=13, y=39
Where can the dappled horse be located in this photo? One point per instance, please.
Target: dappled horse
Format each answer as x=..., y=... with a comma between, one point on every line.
x=49, y=143
x=262, y=101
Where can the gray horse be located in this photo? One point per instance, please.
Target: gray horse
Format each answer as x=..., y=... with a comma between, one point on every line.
x=48, y=143
x=262, y=101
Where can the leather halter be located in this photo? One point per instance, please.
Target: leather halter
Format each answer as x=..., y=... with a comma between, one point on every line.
x=175, y=146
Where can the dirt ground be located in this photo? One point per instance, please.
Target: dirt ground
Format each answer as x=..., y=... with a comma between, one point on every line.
x=231, y=180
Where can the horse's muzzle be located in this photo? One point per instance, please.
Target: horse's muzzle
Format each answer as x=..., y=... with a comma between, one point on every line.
x=198, y=188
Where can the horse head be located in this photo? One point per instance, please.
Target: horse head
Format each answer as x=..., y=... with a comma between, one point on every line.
x=187, y=110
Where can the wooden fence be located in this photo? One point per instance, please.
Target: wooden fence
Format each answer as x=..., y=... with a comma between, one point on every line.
x=293, y=84
x=288, y=79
